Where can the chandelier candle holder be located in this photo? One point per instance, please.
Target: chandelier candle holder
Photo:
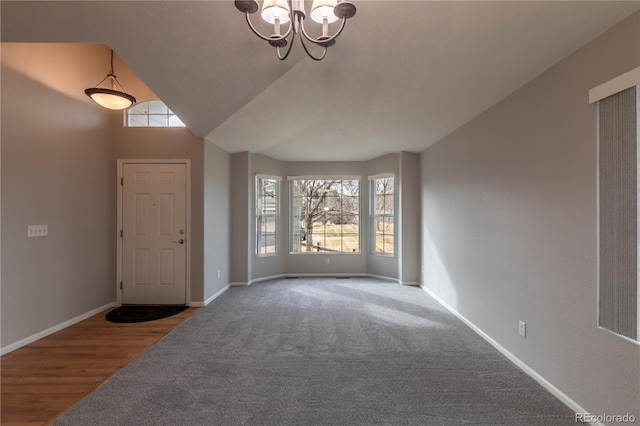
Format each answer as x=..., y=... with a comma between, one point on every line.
x=282, y=12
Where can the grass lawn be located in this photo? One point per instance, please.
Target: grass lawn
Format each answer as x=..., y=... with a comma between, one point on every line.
x=346, y=238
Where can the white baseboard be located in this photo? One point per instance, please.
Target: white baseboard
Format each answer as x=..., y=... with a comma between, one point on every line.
x=411, y=283
x=326, y=275
x=209, y=300
x=272, y=277
x=51, y=330
x=382, y=277
x=320, y=275
x=530, y=371
x=239, y=284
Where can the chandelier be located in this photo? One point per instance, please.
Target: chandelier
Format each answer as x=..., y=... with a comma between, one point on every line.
x=280, y=12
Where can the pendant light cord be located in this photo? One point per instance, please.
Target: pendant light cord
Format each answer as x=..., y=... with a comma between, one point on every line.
x=114, y=80
x=111, y=72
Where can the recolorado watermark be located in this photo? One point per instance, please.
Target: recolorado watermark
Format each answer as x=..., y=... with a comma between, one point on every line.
x=605, y=418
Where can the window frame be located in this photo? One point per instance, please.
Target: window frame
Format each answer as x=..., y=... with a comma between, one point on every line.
x=292, y=216
x=260, y=215
x=373, y=215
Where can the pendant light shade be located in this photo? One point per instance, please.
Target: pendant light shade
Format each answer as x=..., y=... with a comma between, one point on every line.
x=114, y=98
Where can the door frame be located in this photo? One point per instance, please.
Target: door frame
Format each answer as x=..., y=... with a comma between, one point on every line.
x=121, y=163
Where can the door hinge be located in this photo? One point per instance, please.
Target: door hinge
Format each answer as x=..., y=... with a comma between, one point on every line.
x=121, y=233
x=121, y=181
x=120, y=285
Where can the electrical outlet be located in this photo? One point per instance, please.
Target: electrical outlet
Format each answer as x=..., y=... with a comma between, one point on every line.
x=218, y=273
x=328, y=261
x=522, y=329
x=37, y=231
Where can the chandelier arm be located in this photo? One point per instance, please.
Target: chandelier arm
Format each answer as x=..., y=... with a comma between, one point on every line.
x=282, y=37
x=324, y=51
x=325, y=41
x=282, y=58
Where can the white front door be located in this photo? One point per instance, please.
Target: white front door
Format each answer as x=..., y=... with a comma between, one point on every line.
x=154, y=210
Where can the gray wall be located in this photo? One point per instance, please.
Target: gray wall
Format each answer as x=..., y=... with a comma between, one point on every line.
x=239, y=244
x=409, y=244
x=509, y=226
x=216, y=219
x=168, y=143
x=57, y=170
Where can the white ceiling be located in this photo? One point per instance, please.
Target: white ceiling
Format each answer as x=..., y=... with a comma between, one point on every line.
x=403, y=74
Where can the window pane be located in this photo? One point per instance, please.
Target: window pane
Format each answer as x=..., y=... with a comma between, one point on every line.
x=320, y=209
x=158, y=107
x=139, y=108
x=138, y=121
x=267, y=215
x=157, y=120
x=269, y=234
x=384, y=235
x=174, y=121
x=383, y=215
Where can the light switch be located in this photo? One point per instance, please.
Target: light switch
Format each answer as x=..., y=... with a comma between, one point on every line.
x=37, y=231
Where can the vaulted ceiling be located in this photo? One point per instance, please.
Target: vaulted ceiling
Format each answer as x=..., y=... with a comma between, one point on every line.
x=402, y=75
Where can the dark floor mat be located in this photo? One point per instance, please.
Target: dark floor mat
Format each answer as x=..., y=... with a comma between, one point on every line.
x=130, y=314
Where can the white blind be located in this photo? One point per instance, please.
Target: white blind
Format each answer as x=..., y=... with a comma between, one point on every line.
x=618, y=213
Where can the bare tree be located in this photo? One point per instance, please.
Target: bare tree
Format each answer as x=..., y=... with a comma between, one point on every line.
x=324, y=202
x=383, y=198
x=313, y=194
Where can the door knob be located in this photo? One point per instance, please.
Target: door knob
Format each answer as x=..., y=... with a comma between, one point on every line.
x=180, y=241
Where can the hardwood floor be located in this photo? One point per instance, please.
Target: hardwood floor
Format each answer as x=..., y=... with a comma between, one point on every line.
x=44, y=379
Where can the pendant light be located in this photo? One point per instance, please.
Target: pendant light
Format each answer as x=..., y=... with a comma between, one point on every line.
x=114, y=98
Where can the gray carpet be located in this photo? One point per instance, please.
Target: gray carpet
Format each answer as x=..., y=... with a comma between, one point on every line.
x=321, y=352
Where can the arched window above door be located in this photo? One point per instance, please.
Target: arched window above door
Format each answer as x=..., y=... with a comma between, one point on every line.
x=151, y=113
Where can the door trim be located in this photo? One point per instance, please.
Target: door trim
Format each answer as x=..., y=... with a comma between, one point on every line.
x=121, y=162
